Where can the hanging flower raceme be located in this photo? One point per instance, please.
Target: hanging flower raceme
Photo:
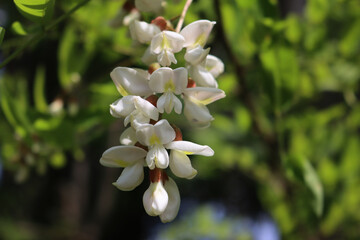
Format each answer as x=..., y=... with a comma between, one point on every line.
x=152, y=142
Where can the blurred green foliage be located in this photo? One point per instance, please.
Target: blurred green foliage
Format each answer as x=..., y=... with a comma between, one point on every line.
x=290, y=121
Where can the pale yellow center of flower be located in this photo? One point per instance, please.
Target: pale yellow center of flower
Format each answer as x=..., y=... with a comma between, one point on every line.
x=154, y=140
x=165, y=43
x=199, y=102
x=169, y=86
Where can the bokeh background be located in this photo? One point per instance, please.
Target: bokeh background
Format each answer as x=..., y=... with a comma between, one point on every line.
x=286, y=137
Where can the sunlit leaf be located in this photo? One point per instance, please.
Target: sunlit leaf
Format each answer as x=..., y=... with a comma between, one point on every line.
x=39, y=90
x=2, y=34
x=18, y=28
x=38, y=11
x=304, y=172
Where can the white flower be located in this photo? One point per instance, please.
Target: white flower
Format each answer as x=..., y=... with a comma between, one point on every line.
x=196, y=99
x=155, y=199
x=180, y=163
x=165, y=44
x=149, y=5
x=143, y=32
x=135, y=109
x=129, y=81
x=197, y=33
x=214, y=65
x=173, y=205
x=128, y=136
x=169, y=82
x=204, y=73
x=131, y=158
x=196, y=55
x=155, y=136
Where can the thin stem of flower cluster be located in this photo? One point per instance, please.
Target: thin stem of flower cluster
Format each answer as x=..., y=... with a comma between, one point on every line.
x=183, y=14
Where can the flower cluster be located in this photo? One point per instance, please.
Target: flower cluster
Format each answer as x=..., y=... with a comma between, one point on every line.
x=151, y=141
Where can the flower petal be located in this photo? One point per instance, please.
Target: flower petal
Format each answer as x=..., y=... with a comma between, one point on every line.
x=180, y=165
x=138, y=119
x=197, y=33
x=161, y=102
x=173, y=205
x=146, y=108
x=122, y=107
x=169, y=101
x=161, y=80
x=196, y=55
x=202, y=77
x=128, y=137
x=180, y=79
x=167, y=40
x=166, y=57
x=190, y=148
x=177, y=105
x=214, y=65
x=122, y=156
x=142, y=31
x=131, y=177
x=164, y=131
x=131, y=81
x=203, y=95
x=175, y=41
x=161, y=157
x=197, y=114
x=155, y=199
x=150, y=158
x=145, y=133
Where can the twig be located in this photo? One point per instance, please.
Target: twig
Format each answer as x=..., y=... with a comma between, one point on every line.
x=182, y=17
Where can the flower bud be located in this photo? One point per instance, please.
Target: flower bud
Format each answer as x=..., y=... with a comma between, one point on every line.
x=155, y=199
x=160, y=22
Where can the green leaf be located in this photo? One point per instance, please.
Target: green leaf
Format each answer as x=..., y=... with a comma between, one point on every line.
x=39, y=91
x=38, y=11
x=304, y=172
x=312, y=181
x=2, y=34
x=18, y=28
